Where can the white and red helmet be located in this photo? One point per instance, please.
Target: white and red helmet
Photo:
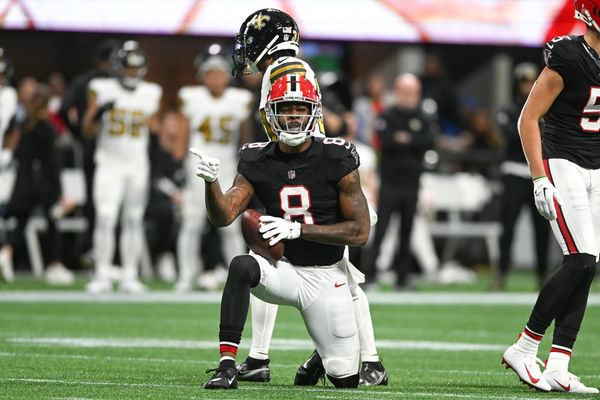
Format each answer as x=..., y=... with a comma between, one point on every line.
x=293, y=88
x=589, y=12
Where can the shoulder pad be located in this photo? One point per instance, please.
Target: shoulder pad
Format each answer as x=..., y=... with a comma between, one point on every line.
x=560, y=51
x=336, y=147
x=254, y=151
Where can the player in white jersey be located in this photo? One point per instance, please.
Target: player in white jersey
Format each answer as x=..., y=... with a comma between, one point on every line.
x=218, y=123
x=119, y=113
x=8, y=107
x=267, y=43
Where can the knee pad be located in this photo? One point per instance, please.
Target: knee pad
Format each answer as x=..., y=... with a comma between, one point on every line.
x=245, y=268
x=347, y=382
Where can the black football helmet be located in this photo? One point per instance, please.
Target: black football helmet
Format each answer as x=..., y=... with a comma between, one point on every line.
x=6, y=68
x=213, y=58
x=263, y=33
x=129, y=55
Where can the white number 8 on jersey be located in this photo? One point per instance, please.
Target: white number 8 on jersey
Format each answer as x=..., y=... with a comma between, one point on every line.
x=303, y=207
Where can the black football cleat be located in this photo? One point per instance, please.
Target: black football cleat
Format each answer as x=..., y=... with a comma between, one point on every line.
x=223, y=378
x=372, y=374
x=254, y=370
x=311, y=371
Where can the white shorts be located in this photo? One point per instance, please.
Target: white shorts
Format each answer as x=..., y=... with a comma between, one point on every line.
x=322, y=295
x=577, y=226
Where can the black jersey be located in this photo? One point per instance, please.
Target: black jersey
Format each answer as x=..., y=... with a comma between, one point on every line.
x=572, y=124
x=301, y=187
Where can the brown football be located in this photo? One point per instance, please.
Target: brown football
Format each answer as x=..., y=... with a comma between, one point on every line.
x=254, y=240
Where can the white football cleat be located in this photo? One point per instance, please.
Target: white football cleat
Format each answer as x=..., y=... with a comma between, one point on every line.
x=526, y=367
x=208, y=281
x=133, y=286
x=166, y=268
x=183, y=286
x=57, y=274
x=6, y=267
x=564, y=381
x=97, y=286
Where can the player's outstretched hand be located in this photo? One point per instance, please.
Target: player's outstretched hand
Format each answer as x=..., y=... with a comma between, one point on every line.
x=207, y=167
x=279, y=229
x=544, y=194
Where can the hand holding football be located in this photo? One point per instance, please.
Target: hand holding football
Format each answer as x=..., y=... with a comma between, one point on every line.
x=254, y=239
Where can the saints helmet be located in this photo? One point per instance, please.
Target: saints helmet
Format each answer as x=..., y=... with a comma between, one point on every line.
x=129, y=55
x=263, y=33
x=213, y=58
x=292, y=88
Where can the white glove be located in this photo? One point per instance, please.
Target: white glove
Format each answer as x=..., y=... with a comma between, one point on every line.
x=372, y=216
x=280, y=228
x=544, y=194
x=207, y=167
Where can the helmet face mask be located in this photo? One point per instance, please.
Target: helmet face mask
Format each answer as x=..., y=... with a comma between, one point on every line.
x=126, y=58
x=287, y=93
x=587, y=11
x=263, y=33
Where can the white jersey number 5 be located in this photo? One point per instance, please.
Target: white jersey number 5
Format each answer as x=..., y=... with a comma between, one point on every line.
x=592, y=107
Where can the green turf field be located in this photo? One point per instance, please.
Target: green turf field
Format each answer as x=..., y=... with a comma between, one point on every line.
x=63, y=345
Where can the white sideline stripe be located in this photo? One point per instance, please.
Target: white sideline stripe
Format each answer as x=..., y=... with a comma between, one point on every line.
x=277, y=389
x=276, y=344
x=382, y=298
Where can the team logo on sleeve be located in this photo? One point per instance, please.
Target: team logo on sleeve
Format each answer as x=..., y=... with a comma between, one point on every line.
x=547, y=56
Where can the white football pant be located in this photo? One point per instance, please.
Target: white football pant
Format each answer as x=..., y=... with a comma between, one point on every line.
x=577, y=226
x=119, y=186
x=322, y=295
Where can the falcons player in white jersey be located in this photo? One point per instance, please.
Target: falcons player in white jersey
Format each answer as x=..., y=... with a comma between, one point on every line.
x=8, y=106
x=267, y=43
x=218, y=123
x=120, y=111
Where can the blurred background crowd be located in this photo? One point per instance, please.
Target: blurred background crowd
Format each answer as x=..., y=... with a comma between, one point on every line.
x=441, y=160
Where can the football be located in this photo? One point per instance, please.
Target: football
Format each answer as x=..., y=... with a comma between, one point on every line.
x=253, y=238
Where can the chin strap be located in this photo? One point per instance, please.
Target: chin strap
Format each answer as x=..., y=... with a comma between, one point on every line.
x=292, y=139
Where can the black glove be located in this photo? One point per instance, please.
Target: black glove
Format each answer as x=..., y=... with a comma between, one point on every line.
x=102, y=109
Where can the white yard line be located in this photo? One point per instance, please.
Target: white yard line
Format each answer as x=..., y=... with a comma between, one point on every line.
x=210, y=362
x=276, y=344
x=382, y=298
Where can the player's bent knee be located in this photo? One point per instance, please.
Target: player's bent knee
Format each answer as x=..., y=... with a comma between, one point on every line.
x=581, y=265
x=245, y=268
x=339, y=367
x=346, y=382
